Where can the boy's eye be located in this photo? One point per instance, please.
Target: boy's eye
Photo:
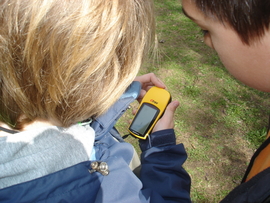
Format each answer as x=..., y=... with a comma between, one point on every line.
x=204, y=32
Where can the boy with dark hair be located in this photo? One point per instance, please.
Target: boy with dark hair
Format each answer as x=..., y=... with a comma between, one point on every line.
x=238, y=30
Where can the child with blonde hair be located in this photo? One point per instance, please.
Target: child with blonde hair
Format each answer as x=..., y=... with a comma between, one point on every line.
x=66, y=75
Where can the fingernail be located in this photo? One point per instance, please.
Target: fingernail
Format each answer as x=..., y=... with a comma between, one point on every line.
x=176, y=103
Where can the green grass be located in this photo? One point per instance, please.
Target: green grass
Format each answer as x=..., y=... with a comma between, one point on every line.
x=220, y=121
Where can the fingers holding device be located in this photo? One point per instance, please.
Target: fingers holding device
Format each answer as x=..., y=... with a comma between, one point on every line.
x=149, y=112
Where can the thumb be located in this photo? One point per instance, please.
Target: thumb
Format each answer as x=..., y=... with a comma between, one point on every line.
x=167, y=120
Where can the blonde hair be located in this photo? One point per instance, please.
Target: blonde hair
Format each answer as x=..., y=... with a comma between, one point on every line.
x=69, y=60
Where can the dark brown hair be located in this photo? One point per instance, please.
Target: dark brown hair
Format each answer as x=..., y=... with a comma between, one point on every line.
x=249, y=18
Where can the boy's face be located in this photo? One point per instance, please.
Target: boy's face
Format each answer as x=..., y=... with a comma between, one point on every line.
x=248, y=63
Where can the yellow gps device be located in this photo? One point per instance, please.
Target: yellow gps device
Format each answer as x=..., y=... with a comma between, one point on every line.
x=150, y=110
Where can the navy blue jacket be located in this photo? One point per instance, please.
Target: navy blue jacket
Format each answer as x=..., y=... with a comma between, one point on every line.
x=162, y=178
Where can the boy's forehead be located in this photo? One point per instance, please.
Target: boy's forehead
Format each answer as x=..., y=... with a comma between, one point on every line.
x=186, y=14
x=191, y=11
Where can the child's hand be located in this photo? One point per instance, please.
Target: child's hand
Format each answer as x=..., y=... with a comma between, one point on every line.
x=147, y=81
x=167, y=120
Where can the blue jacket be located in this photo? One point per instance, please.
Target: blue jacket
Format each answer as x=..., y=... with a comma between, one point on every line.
x=162, y=178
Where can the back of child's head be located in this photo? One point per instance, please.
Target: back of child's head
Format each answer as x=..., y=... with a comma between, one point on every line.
x=69, y=60
x=249, y=18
